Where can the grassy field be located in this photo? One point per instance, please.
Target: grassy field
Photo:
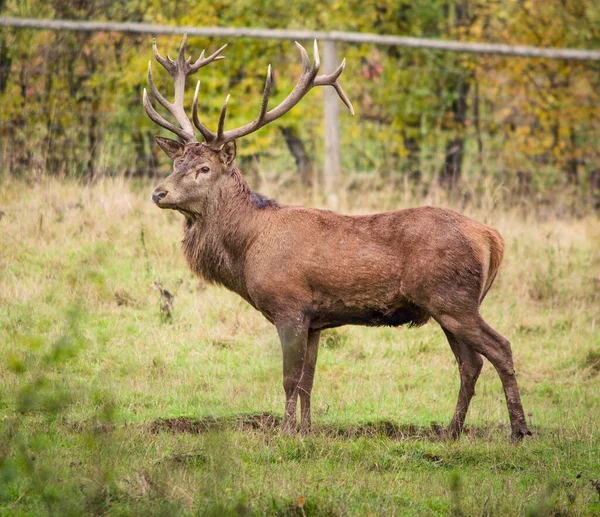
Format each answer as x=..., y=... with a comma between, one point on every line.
x=107, y=406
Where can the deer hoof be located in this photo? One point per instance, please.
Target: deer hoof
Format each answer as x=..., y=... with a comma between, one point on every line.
x=520, y=432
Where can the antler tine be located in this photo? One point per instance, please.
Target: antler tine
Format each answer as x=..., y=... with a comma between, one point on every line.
x=317, y=62
x=157, y=55
x=181, y=53
x=155, y=117
x=305, y=58
x=332, y=80
x=222, y=119
x=266, y=94
x=208, y=135
x=333, y=75
x=201, y=61
x=155, y=93
x=217, y=139
x=308, y=79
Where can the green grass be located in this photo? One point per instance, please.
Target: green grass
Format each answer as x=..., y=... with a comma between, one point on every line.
x=108, y=408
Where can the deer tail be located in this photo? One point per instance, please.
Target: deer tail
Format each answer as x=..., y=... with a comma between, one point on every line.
x=496, y=243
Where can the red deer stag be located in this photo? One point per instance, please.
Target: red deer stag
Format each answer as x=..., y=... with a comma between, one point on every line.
x=307, y=270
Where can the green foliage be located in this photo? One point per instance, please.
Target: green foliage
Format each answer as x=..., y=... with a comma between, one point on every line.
x=71, y=102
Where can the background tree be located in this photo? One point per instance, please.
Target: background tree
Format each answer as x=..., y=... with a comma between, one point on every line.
x=71, y=102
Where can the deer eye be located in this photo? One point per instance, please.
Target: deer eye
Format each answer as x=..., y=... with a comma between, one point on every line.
x=202, y=170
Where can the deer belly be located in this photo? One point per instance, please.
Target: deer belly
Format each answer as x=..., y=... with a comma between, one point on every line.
x=339, y=313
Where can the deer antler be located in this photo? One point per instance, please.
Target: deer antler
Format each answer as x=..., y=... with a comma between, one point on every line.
x=179, y=70
x=307, y=81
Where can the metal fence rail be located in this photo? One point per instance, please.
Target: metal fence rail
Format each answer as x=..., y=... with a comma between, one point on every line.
x=348, y=37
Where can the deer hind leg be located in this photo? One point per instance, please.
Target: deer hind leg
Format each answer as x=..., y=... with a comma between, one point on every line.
x=469, y=367
x=480, y=337
x=293, y=337
x=307, y=378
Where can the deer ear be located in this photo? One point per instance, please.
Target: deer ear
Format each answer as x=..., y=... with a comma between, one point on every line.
x=173, y=148
x=227, y=152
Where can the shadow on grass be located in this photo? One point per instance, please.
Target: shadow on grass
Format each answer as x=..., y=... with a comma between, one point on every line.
x=271, y=423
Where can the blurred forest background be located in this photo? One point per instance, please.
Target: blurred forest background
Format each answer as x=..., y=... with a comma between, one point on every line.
x=71, y=103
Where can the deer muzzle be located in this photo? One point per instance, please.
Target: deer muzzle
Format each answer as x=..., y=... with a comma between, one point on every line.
x=158, y=195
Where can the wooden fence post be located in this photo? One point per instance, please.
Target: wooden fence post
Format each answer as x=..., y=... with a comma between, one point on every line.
x=331, y=110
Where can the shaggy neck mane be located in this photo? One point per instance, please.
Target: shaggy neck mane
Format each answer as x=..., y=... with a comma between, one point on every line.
x=215, y=242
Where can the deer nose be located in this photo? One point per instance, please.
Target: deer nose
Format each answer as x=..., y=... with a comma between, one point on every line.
x=158, y=195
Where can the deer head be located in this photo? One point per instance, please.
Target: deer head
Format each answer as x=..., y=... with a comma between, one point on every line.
x=199, y=166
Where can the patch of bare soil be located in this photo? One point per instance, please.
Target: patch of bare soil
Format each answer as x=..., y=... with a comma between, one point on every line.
x=256, y=422
x=400, y=432
x=183, y=425
x=268, y=423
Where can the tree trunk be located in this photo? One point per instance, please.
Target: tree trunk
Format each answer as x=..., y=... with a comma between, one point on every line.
x=295, y=145
x=92, y=142
x=151, y=155
x=412, y=144
x=595, y=188
x=572, y=163
x=93, y=133
x=5, y=64
x=453, y=158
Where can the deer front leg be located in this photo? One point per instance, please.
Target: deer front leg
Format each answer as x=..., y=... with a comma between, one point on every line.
x=293, y=337
x=308, y=376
